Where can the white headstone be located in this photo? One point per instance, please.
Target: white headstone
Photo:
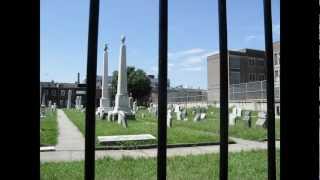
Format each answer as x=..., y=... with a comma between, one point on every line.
x=179, y=117
x=232, y=118
x=238, y=112
x=122, y=119
x=169, y=118
x=202, y=116
x=197, y=117
x=262, y=117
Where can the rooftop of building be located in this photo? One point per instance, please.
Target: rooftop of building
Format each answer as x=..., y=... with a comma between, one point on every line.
x=246, y=52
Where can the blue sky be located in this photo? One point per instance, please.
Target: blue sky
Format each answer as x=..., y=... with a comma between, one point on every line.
x=193, y=34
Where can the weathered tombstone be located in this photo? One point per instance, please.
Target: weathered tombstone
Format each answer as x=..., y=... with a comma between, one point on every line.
x=179, y=118
x=262, y=117
x=49, y=103
x=135, y=107
x=203, y=116
x=54, y=106
x=176, y=108
x=247, y=117
x=197, y=117
x=184, y=115
x=238, y=112
x=122, y=119
x=232, y=117
x=169, y=118
x=131, y=102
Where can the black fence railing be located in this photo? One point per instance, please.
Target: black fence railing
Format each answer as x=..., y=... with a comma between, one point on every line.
x=162, y=130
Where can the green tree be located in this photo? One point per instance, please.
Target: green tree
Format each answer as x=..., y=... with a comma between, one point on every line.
x=139, y=85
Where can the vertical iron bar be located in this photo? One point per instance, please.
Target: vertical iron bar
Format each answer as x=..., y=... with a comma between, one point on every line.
x=223, y=46
x=270, y=90
x=91, y=90
x=162, y=106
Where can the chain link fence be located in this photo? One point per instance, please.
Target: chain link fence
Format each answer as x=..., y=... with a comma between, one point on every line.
x=252, y=91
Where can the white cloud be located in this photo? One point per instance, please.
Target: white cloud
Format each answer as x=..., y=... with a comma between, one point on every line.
x=197, y=68
x=187, y=60
x=181, y=54
x=250, y=38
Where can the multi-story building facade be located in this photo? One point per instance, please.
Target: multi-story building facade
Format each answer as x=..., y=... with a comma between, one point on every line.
x=276, y=68
x=245, y=65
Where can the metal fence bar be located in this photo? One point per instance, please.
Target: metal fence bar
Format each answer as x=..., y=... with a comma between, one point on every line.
x=162, y=96
x=89, y=172
x=223, y=46
x=270, y=90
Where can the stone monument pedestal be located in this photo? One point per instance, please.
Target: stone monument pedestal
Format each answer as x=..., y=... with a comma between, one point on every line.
x=122, y=117
x=104, y=108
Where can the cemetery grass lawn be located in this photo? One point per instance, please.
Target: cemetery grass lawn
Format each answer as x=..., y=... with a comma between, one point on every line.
x=178, y=134
x=247, y=165
x=240, y=130
x=49, y=129
x=181, y=132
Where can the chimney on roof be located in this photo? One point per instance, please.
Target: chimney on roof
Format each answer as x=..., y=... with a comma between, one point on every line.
x=78, y=78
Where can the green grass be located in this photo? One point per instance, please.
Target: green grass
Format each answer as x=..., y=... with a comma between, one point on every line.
x=243, y=165
x=181, y=132
x=241, y=130
x=49, y=129
x=178, y=134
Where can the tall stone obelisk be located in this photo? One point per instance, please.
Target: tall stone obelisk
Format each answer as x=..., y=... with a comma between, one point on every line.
x=104, y=107
x=122, y=99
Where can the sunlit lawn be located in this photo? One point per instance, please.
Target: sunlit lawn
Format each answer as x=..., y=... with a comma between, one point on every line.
x=243, y=165
x=205, y=131
x=49, y=129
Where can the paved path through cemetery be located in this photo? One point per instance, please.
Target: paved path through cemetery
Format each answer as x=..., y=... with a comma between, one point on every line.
x=71, y=146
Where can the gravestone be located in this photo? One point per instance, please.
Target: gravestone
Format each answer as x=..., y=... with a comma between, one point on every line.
x=122, y=138
x=232, y=117
x=184, y=115
x=134, y=107
x=54, y=106
x=203, y=116
x=169, y=118
x=49, y=103
x=262, y=119
x=176, y=108
x=197, y=117
x=131, y=102
x=179, y=118
x=122, y=120
x=247, y=117
x=238, y=112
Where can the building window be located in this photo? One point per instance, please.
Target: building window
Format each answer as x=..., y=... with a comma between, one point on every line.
x=53, y=92
x=252, y=77
x=235, y=77
x=62, y=93
x=260, y=62
x=234, y=62
x=276, y=58
x=251, y=61
x=276, y=75
x=261, y=77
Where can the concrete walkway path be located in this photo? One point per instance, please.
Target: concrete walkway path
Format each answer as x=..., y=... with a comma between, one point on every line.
x=71, y=146
x=69, y=139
